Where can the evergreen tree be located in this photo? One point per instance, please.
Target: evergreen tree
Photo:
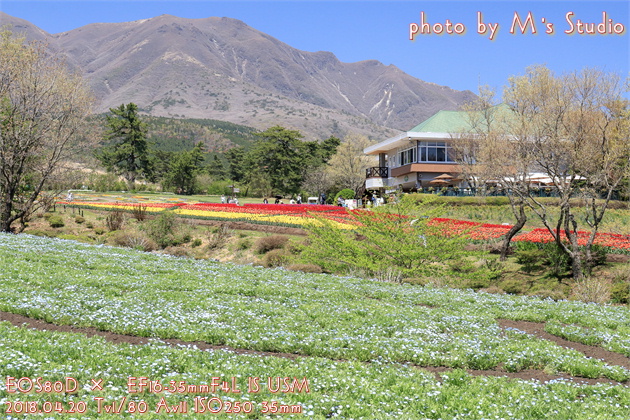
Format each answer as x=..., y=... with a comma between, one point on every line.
x=279, y=155
x=128, y=154
x=183, y=171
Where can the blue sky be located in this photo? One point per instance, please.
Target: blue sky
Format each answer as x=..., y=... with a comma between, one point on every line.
x=364, y=30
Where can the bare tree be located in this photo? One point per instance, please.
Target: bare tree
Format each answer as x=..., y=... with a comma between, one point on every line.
x=346, y=168
x=42, y=109
x=485, y=151
x=467, y=144
x=576, y=127
x=317, y=181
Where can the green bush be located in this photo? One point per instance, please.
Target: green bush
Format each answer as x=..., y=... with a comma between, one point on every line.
x=275, y=258
x=530, y=259
x=79, y=219
x=56, y=221
x=195, y=243
x=346, y=194
x=462, y=266
x=46, y=233
x=620, y=293
x=599, y=254
x=389, y=240
x=548, y=294
x=133, y=239
x=162, y=229
x=556, y=258
x=244, y=244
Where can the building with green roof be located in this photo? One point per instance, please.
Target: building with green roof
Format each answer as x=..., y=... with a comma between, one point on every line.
x=421, y=157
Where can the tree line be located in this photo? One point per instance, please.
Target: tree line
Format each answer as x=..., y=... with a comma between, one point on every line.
x=278, y=162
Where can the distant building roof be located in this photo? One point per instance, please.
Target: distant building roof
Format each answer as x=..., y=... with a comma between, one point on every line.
x=443, y=122
x=440, y=126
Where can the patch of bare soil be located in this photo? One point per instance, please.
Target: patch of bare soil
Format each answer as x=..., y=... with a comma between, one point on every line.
x=21, y=320
x=534, y=328
x=617, y=258
x=281, y=230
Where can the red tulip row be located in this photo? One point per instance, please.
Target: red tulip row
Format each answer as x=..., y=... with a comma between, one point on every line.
x=612, y=240
x=474, y=230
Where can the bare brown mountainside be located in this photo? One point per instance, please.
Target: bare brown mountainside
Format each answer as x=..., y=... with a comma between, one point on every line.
x=220, y=68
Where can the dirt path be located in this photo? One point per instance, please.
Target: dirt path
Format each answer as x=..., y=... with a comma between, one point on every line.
x=534, y=328
x=281, y=230
x=538, y=329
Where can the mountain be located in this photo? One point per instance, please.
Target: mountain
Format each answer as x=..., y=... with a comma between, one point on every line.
x=222, y=69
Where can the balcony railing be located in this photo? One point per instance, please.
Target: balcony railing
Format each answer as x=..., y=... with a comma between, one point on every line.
x=377, y=172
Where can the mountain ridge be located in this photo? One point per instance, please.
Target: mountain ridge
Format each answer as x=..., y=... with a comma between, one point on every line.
x=221, y=68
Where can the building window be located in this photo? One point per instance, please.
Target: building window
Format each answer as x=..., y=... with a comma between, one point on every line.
x=435, y=151
x=407, y=156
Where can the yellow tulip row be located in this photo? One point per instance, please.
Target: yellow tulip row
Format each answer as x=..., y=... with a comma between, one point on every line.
x=258, y=218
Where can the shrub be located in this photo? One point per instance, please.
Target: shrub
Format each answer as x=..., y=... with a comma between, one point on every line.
x=139, y=212
x=599, y=254
x=243, y=244
x=270, y=243
x=530, y=259
x=462, y=266
x=115, y=220
x=477, y=282
x=219, y=236
x=195, y=243
x=389, y=275
x=79, y=219
x=391, y=239
x=162, y=229
x=305, y=268
x=99, y=230
x=556, y=258
x=134, y=240
x=46, y=233
x=493, y=290
x=512, y=286
x=420, y=281
x=177, y=251
x=346, y=194
x=620, y=293
x=596, y=290
x=89, y=225
x=275, y=258
x=56, y=221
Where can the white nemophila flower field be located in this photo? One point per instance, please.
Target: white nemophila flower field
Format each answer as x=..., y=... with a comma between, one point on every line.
x=276, y=310
x=326, y=317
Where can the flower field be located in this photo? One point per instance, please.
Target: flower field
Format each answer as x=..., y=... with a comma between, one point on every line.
x=610, y=240
x=474, y=230
x=150, y=207
x=304, y=215
x=337, y=323
x=280, y=214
